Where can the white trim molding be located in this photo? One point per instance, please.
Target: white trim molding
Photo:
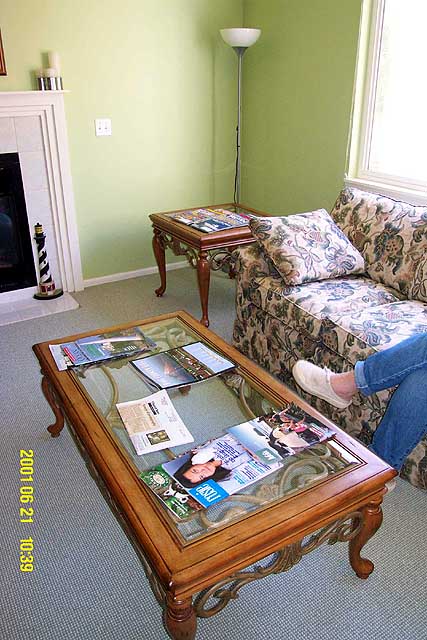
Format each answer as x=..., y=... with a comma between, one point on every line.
x=417, y=198
x=127, y=275
x=48, y=106
x=359, y=172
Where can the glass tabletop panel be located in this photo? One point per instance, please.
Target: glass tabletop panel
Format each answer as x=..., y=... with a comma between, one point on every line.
x=207, y=409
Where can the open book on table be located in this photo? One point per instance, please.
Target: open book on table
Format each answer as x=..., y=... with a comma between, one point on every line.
x=182, y=366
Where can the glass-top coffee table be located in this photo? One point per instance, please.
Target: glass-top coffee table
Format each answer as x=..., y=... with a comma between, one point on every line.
x=331, y=492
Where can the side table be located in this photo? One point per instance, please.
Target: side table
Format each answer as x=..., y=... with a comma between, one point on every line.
x=204, y=251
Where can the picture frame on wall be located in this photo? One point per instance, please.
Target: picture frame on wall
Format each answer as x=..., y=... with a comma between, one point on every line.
x=3, y=71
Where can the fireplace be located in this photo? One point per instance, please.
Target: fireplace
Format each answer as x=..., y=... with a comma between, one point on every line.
x=38, y=189
x=17, y=269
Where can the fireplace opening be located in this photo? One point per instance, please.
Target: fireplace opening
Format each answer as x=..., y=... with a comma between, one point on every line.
x=17, y=269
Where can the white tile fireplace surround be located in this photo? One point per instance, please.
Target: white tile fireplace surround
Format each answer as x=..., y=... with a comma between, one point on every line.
x=32, y=124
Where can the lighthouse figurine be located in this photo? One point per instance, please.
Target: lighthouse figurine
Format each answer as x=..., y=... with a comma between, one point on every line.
x=47, y=289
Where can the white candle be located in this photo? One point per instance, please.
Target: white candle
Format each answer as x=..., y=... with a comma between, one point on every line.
x=50, y=73
x=54, y=62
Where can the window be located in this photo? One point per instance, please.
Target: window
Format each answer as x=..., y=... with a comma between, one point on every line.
x=389, y=137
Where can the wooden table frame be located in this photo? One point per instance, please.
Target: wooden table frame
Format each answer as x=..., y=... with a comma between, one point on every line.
x=346, y=507
x=204, y=251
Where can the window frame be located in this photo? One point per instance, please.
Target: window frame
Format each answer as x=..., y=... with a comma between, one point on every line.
x=364, y=94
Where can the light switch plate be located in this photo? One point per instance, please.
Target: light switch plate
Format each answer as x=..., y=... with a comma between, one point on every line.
x=103, y=127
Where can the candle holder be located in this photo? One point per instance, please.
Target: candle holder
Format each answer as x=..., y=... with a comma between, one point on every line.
x=45, y=83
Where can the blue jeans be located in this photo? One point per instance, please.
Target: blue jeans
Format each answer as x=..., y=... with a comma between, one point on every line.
x=405, y=420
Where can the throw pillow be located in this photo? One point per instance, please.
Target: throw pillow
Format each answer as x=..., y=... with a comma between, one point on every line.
x=306, y=247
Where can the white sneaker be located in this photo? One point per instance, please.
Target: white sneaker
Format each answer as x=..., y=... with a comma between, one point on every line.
x=390, y=485
x=317, y=381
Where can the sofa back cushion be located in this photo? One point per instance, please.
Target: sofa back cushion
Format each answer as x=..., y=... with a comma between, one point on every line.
x=307, y=246
x=391, y=235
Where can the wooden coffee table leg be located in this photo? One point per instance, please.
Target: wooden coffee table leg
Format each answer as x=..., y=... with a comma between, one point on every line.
x=179, y=618
x=56, y=428
x=372, y=519
x=203, y=278
x=159, y=254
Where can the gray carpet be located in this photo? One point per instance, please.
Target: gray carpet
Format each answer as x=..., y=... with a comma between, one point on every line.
x=88, y=582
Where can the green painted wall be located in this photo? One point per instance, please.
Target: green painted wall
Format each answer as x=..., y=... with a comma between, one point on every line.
x=297, y=91
x=160, y=70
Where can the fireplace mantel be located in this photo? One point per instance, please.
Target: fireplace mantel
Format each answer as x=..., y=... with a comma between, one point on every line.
x=45, y=109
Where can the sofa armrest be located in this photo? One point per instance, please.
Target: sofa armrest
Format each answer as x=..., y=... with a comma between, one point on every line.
x=251, y=261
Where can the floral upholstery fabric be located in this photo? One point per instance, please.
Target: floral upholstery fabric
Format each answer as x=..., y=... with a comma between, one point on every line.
x=336, y=322
x=418, y=288
x=307, y=246
x=391, y=236
x=382, y=327
x=320, y=299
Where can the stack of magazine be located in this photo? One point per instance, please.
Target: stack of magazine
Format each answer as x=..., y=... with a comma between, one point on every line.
x=209, y=220
x=104, y=346
x=225, y=465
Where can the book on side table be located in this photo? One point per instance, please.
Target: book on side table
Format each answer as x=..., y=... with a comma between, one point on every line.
x=214, y=219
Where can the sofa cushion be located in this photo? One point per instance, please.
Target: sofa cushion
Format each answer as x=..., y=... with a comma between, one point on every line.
x=307, y=308
x=325, y=299
x=307, y=247
x=383, y=326
x=391, y=235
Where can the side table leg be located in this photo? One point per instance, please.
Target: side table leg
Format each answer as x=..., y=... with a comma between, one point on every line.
x=179, y=619
x=231, y=269
x=372, y=519
x=203, y=278
x=56, y=428
x=159, y=254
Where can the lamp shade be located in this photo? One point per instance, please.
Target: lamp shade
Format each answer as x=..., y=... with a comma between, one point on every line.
x=240, y=37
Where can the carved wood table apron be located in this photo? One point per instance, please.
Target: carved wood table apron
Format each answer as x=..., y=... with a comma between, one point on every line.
x=204, y=251
x=331, y=492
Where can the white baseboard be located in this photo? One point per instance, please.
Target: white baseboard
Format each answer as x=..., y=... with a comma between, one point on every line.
x=115, y=277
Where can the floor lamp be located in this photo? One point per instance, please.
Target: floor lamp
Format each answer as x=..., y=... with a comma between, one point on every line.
x=240, y=40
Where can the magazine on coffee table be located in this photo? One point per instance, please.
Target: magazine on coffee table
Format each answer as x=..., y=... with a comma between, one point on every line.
x=217, y=469
x=170, y=492
x=182, y=366
x=153, y=423
x=104, y=346
x=276, y=436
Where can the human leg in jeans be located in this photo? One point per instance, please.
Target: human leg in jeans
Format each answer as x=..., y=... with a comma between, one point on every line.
x=403, y=365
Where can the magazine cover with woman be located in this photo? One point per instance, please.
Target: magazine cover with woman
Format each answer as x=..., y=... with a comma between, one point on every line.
x=217, y=469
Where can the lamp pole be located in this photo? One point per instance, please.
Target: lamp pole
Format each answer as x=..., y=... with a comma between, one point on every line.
x=240, y=52
x=239, y=40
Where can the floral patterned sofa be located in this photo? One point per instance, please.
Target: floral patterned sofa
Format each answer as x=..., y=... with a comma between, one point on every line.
x=338, y=319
